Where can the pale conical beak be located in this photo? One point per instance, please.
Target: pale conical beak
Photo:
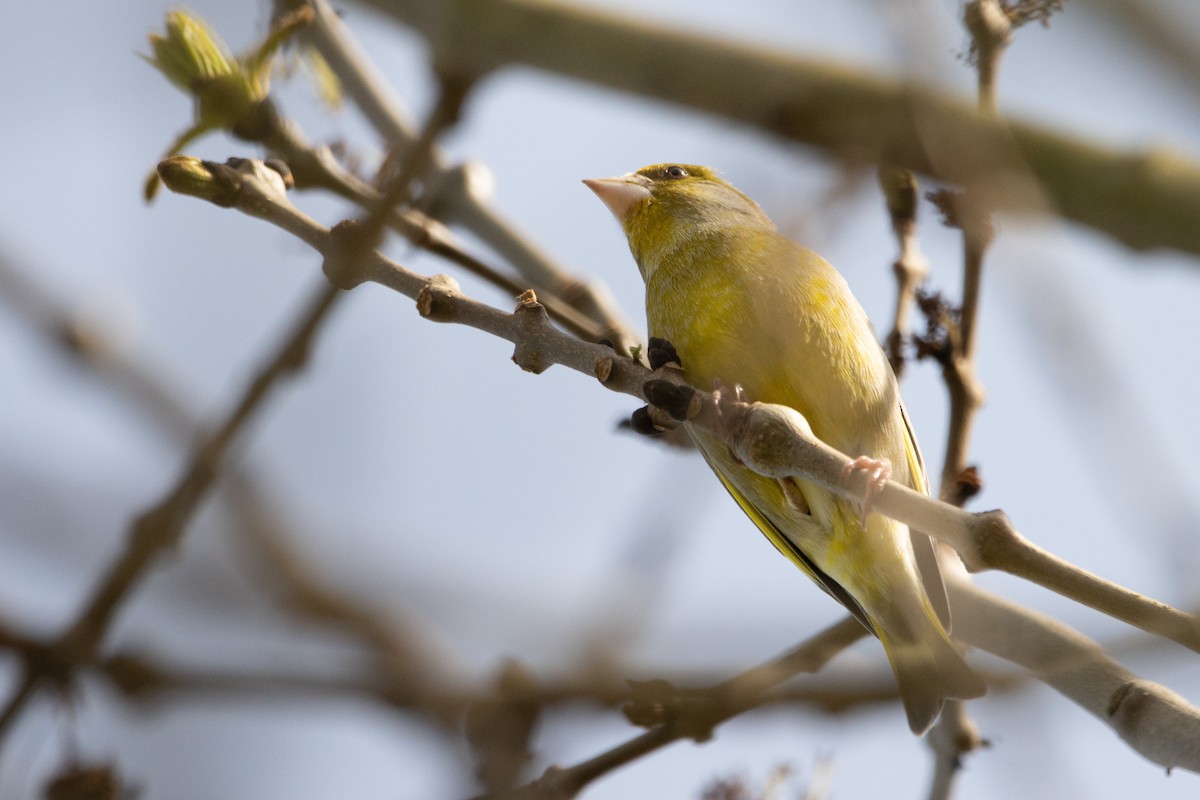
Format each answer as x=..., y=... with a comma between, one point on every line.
x=620, y=194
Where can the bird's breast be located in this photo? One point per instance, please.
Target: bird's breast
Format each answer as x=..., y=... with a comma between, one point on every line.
x=787, y=333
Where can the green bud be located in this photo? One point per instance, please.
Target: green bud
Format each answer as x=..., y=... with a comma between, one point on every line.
x=190, y=53
x=206, y=180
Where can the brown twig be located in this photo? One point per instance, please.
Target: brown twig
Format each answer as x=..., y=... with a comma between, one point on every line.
x=910, y=267
x=954, y=736
x=990, y=28
x=161, y=527
x=957, y=352
x=398, y=645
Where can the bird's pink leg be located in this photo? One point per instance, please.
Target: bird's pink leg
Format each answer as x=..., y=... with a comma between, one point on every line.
x=878, y=471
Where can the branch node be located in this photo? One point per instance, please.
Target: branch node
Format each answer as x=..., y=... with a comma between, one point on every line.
x=658, y=702
x=967, y=484
x=531, y=318
x=991, y=536
x=350, y=242
x=435, y=301
x=604, y=369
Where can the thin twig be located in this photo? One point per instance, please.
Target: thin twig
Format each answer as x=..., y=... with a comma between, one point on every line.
x=400, y=648
x=955, y=735
x=910, y=267
x=991, y=31
x=161, y=527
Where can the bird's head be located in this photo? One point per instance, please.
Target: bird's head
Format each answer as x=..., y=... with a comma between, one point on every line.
x=663, y=205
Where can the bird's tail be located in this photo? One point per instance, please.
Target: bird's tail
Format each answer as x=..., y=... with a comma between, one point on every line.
x=928, y=667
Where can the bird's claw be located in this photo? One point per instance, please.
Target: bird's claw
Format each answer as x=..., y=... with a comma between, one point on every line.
x=727, y=394
x=878, y=470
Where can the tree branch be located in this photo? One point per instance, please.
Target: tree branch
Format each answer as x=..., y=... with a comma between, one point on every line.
x=1154, y=721
x=910, y=267
x=695, y=718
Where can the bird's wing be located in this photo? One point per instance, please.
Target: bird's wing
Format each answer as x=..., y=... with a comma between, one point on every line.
x=922, y=545
x=797, y=556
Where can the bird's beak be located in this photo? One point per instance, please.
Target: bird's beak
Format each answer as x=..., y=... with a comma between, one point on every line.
x=620, y=194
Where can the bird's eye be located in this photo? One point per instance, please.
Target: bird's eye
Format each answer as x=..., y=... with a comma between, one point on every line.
x=675, y=172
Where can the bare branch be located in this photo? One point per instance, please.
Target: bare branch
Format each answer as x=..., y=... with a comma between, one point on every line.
x=910, y=267
x=991, y=28
x=954, y=736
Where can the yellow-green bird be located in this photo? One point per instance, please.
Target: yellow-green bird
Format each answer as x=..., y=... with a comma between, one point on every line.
x=744, y=305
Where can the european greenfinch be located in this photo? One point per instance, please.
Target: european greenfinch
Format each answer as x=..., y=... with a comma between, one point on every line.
x=743, y=305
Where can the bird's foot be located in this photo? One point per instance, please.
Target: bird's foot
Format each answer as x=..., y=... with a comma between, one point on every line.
x=723, y=396
x=728, y=394
x=878, y=471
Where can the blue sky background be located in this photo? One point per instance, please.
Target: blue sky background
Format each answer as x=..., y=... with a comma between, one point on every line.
x=418, y=469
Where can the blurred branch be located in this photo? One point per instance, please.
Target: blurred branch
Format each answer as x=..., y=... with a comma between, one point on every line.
x=991, y=32
x=990, y=27
x=161, y=527
x=676, y=717
x=410, y=670
x=398, y=644
x=453, y=194
x=1144, y=199
x=956, y=349
x=990, y=24
x=953, y=736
